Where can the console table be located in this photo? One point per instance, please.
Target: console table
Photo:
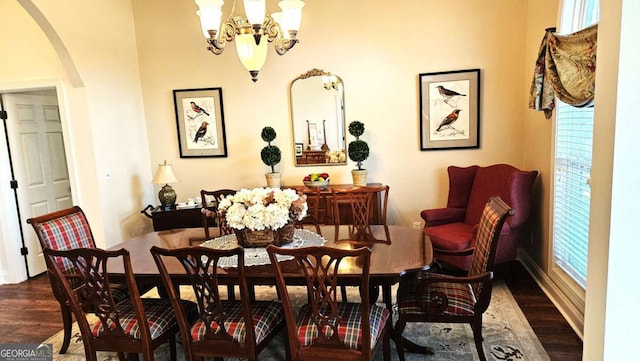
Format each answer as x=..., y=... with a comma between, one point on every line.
x=191, y=217
x=325, y=211
x=163, y=220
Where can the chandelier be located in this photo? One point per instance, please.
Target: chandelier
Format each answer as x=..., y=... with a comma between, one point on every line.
x=251, y=32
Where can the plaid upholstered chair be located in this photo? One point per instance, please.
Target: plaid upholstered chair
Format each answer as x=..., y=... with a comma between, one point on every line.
x=134, y=325
x=220, y=328
x=64, y=230
x=432, y=297
x=325, y=329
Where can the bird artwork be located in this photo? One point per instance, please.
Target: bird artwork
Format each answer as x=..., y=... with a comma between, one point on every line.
x=447, y=94
x=196, y=108
x=201, y=132
x=448, y=120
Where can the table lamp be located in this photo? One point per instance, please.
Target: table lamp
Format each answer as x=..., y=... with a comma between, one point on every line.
x=167, y=195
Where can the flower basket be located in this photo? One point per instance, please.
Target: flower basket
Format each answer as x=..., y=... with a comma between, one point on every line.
x=262, y=216
x=262, y=238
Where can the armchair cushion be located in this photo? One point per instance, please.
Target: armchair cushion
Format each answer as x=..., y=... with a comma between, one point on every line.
x=451, y=236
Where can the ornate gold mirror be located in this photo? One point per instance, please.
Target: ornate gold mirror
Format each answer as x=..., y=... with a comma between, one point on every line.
x=317, y=117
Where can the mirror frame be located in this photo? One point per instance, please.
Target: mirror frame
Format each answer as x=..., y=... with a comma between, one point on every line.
x=315, y=72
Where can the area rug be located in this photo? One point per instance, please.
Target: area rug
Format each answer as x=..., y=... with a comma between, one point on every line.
x=507, y=335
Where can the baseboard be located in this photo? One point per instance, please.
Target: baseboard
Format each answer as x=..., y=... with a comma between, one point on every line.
x=574, y=315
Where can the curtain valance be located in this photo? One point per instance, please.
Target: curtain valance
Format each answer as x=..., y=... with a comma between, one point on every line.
x=565, y=68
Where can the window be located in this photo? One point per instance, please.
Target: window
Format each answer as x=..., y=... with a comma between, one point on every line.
x=572, y=164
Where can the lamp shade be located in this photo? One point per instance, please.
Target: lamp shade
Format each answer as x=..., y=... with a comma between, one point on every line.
x=291, y=14
x=210, y=14
x=255, y=10
x=164, y=174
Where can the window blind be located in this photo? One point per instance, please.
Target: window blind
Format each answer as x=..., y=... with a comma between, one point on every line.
x=572, y=191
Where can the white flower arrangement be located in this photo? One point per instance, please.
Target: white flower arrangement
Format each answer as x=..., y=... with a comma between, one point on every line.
x=262, y=208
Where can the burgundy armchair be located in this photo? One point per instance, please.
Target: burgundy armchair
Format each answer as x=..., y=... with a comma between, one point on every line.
x=452, y=229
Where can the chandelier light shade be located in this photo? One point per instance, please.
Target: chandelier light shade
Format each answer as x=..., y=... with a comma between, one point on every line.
x=252, y=56
x=167, y=195
x=252, y=31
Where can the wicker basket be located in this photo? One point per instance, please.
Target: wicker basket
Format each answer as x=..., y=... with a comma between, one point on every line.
x=248, y=238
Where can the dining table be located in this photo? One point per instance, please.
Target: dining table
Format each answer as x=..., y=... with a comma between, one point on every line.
x=394, y=250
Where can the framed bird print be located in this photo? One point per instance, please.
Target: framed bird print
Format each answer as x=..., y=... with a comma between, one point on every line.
x=450, y=110
x=200, y=121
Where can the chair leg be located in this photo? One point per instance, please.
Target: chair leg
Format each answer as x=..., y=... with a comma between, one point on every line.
x=402, y=343
x=397, y=338
x=343, y=293
x=386, y=343
x=231, y=293
x=172, y=347
x=477, y=337
x=67, y=322
x=252, y=293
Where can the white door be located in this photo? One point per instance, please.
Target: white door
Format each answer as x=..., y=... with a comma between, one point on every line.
x=39, y=162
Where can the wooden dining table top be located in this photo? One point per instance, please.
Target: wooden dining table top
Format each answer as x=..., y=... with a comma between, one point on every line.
x=399, y=249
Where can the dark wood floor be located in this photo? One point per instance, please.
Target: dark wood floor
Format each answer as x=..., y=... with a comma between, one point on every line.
x=29, y=313
x=553, y=331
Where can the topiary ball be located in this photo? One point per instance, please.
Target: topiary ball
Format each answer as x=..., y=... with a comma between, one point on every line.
x=268, y=134
x=270, y=155
x=358, y=150
x=356, y=128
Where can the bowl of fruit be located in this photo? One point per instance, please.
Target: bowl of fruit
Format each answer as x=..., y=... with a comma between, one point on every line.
x=316, y=180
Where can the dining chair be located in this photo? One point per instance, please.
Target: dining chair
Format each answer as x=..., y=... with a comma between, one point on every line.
x=314, y=206
x=131, y=326
x=64, y=230
x=324, y=328
x=358, y=201
x=208, y=215
x=217, y=195
x=433, y=297
x=220, y=328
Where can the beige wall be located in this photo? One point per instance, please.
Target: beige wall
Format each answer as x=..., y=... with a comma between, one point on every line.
x=378, y=50
x=102, y=108
x=101, y=41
